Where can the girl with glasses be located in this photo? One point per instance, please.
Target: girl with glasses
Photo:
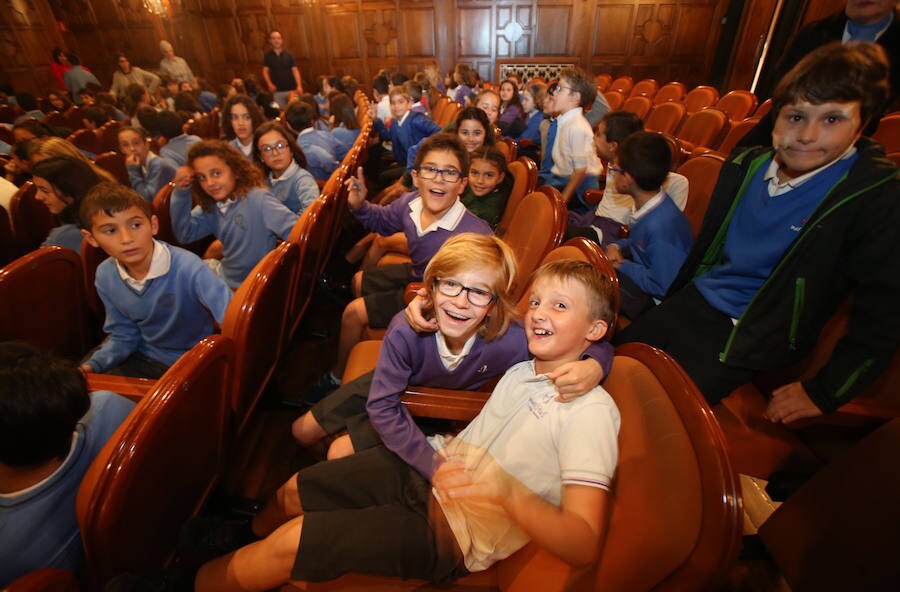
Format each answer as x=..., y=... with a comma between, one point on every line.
x=275, y=150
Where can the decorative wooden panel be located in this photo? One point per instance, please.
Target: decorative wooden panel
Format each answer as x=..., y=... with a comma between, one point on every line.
x=665, y=39
x=553, y=30
x=475, y=26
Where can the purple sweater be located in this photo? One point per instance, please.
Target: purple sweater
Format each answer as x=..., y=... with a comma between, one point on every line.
x=395, y=217
x=408, y=357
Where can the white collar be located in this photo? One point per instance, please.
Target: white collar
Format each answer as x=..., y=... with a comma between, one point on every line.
x=448, y=221
x=225, y=205
x=146, y=166
x=307, y=130
x=647, y=207
x=449, y=359
x=287, y=174
x=405, y=115
x=160, y=262
x=571, y=113
x=777, y=188
x=247, y=150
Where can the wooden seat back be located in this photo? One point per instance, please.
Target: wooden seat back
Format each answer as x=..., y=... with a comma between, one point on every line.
x=56, y=120
x=109, y=136
x=537, y=226
x=46, y=579
x=311, y=235
x=44, y=302
x=700, y=97
x=508, y=147
x=31, y=220
x=622, y=84
x=639, y=105
x=114, y=164
x=7, y=242
x=763, y=109
x=665, y=117
x=738, y=104
x=844, y=517
x=702, y=173
x=85, y=140
x=671, y=91
x=645, y=88
x=449, y=113
x=159, y=467
x=603, y=81
x=91, y=258
x=524, y=174
x=706, y=127
x=74, y=118
x=888, y=133
x=615, y=99
x=256, y=320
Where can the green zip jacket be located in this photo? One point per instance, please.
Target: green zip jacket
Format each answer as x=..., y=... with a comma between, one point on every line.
x=851, y=244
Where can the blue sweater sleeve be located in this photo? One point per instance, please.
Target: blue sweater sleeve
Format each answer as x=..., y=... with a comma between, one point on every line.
x=189, y=225
x=425, y=126
x=212, y=291
x=123, y=335
x=306, y=188
x=277, y=218
x=389, y=417
x=159, y=172
x=381, y=128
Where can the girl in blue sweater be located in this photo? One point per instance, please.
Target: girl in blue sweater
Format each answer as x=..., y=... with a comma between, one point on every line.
x=276, y=150
x=234, y=207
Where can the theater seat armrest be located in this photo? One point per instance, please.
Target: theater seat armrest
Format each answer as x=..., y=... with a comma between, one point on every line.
x=444, y=403
x=131, y=388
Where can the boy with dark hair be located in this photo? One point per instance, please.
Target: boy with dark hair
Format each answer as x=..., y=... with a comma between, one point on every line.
x=824, y=203
x=160, y=300
x=575, y=164
x=93, y=117
x=408, y=128
x=660, y=235
x=50, y=431
x=171, y=126
x=381, y=88
x=414, y=89
x=604, y=224
x=321, y=148
x=528, y=467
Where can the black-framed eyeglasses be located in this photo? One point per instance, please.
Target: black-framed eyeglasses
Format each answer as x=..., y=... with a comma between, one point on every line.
x=452, y=288
x=554, y=90
x=430, y=173
x=273, y=148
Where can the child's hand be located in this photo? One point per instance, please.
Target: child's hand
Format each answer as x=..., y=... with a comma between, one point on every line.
x=183, y=177
x=790, y=403
x=415, y=313
x=356, y=189
x=133, y=160
x=574, y=379
x=85, y=368
x=614, y=255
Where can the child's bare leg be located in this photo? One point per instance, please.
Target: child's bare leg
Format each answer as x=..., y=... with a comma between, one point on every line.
x=283, y=506
x=359, y=249
x=356, y=285
x=340, y=448
x=383, y=244
x=260, y=566
x=307, y=431
x=353, y=325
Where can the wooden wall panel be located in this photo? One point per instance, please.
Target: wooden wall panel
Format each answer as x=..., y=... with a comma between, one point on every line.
x=475, y=28
x=665, y=39
x=553, y=30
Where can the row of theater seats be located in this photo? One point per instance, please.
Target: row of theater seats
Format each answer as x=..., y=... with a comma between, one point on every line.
x=159, y=467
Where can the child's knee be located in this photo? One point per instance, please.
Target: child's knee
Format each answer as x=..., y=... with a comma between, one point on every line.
x=357, y=283
x=340, y=448
x=306, y=430
x=355, y=312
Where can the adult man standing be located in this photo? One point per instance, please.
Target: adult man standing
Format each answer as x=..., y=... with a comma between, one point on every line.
x=175, y=66
x=279, y=71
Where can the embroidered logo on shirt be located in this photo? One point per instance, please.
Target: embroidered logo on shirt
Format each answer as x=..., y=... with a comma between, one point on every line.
x=483, y=369
x=538, y=404
x=796, y=228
